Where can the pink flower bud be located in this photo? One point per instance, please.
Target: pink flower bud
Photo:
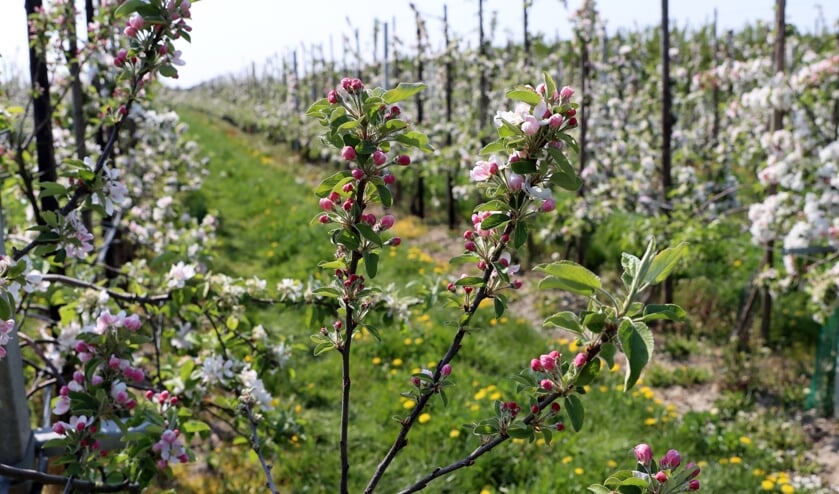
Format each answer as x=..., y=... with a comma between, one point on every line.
x=332, y=96
x=347, y=205
x=644, y=453
x=348, y=187
x=323, y=219
x=580, y=360
x=693, y=485
x=515, y=182
x=661, y=477
x=389, y=179
x=446, y=370
x=555, y=120
x=415, y=381
x=470, y=246
x=348, y=153
x=395, y=241
x=379, y=158
x=572, y=122
x=566, y=93
x=149, y=394
x=387, y=221
x=534, y=409
x=536, y=365
x=546, y=384
x=515, y=284
x=694, y=470
x=78, y=377
x=548, y=362
x=451, y=287
x=468, y=235
x=671, y=459
x=556, y=407
x=58, y=428
x=548, y=205
x=326, y=204
x=560, y=426
x=96, y=380
x=468, y=289
x=403, y=160
x=357, y=173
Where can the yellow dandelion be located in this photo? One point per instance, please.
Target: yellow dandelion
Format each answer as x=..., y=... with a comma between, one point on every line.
x=424, y=418
x=573, y=346
x=408, y=404
x=418, y=341
x=540, y=441
x=377, y=361
x=650, y=421
x=615, y=367
x=723, y=461
x=495, y=396
x=767, y=485
x=408, y=341
x=475, y=407
x=492, y=387
x=568, y=459
x=486, y=490
x=397, y=362
x=518, y=440
x=275, y=402
x=248, y=358
x=702, y=463
x=612, y=464
x=503, y=320
x=415, y=370
x=587, y=388
x=480, y=395
x=604, y=389
x=745, y=440
x=578, y=471
x=787, y=489
x=563, y=341
x=493, y=322
x=298, y=409
x=454, y=433
x=431, y=365
x=757, y=472
x=735, y=460
x=737, y=263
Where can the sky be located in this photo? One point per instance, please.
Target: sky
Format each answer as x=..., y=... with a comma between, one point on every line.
x=229, y=36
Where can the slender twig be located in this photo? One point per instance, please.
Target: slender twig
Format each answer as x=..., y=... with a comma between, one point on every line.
x=592, y=351
x=77, y=484
x=463, y=328
x=257, y=448
x=40, y=353
x=127, y=297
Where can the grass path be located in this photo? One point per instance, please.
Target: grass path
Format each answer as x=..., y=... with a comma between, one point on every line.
x=264, y=209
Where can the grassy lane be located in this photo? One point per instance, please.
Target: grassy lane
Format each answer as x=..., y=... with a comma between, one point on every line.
x=264, y=203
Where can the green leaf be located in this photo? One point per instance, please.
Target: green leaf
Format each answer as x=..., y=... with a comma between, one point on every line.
x=347, y=239
x=464, y=259
x=550, y=85
x=665, y=262
x=520, y=234
x=350, y=124
x=167, y=70
x=326, y=291
x=525, y=94
x=329, y=183
x=414, y=139
x=193, y=426
x=494, y=220
x=566, y=320
x=670, y=312
x=519, y=432
x=323, y=348
x=393, y=125
x=500, y=305
x=52, y=189
x=492, y=205
x=607, y=353
x=637, y=343
x=576, y=412
x=470, y=281
x=570, y=276
x=493, y=147
x=232, y=322
x=524, y=167
x=336, y=264
x=564, y=176
x=570, y=141
x=385, y=195
x=588, y=373
x=599, y=489
x=367, y=232
x=5, y=309
x=371, y=263
x=402, y=91
x=129, y=7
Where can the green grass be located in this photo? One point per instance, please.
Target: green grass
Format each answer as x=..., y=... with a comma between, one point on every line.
x=265, y=204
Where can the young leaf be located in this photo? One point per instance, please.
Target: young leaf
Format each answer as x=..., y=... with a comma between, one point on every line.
x=493, y=147
x=402, y=91
x=566, y=320
x=371, y=263
x=414, y=139
x=524, y=94
x=520, y=234
x=665, y=262
x=550, y=85
x=384, y=195
x=367, y=232
x=588, y=373
x=576, y=412
x=637, y=342
x=494, y=220
x=570, y=276
x=671, y=312
x=523, y=167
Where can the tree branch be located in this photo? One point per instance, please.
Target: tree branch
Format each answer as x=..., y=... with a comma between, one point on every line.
x=80, y=485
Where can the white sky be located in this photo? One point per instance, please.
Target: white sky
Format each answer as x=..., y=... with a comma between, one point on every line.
x=229, y=35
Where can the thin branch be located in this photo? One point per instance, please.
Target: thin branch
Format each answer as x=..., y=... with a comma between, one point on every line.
x=80, y=485
x=257, y=448
x=127, y=297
